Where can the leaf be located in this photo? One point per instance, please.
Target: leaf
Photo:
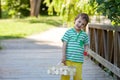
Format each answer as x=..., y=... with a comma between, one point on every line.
x=117, y=1
x=99, y=1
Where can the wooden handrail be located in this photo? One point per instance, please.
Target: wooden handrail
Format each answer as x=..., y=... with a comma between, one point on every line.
x=105, y=42
x=104, y=62
x=104, y=27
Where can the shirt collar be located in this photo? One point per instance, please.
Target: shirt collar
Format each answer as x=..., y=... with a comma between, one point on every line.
x=77, y=34
x=76, y=31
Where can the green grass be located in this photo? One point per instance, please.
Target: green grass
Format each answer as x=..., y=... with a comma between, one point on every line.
x=20, y=28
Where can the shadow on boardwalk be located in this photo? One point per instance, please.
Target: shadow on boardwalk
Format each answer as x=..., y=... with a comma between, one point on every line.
x=28, y=59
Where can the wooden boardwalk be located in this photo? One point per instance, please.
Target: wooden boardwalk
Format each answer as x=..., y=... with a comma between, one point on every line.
x=17, y=63
x=25, y=59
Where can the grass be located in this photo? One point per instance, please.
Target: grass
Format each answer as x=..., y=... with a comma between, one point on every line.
x=20, y=28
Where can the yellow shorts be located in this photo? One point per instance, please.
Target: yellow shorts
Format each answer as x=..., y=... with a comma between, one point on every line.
x=78, y=75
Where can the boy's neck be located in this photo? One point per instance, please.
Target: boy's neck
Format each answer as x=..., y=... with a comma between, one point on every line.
x=78, y=31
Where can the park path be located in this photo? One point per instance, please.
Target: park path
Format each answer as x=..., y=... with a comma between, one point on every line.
x=29, y=58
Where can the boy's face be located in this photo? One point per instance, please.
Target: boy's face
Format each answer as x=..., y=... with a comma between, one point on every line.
x=80, y=23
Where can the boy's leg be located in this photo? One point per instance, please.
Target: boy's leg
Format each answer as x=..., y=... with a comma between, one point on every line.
x=78, y=75
x=66, y=77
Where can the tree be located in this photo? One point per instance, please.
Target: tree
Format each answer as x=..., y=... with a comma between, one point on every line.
x=68, y=9
x=35, y=7
x=16, y=8
x=21, y=8
x=109, y=8
x=0, y=10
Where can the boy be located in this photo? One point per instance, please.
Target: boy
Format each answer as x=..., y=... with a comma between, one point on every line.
x=75, y=42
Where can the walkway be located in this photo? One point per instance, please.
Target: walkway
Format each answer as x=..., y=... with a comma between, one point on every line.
x=28, y=59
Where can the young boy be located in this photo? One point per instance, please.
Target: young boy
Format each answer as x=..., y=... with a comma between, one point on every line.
x=75, y=42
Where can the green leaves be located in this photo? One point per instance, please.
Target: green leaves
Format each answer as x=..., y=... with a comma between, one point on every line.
x=68, y=9
x=99, y=1
x=117, y=1
x=109, y=8
x=16, y=7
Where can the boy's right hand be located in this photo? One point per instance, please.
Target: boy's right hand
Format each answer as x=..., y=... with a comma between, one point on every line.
x=63, y=61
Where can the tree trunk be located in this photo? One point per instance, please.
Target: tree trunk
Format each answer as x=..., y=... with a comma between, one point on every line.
x=35, y=7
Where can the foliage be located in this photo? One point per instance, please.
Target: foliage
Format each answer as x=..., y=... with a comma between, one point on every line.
x=109, y=8
x=16, y=8
x=68, y=9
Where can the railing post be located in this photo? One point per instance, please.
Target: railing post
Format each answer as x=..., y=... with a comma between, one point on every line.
x=116, y=51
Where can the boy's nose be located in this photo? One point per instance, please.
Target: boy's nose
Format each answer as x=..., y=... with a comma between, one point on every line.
x=80, y=24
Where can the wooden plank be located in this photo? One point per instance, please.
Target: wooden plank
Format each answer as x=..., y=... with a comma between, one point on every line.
x=96, y=40
x=111, y=53
x=118, y=39
x=105, y=42
x=89, y=33
x=115, y=48
x=92, y=39
x=105, y=63
x=101, y=43
x=119, y=43
x=108, y=46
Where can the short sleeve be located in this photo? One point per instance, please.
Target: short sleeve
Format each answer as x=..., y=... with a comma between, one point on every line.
x=65, y=37
x=86, y=39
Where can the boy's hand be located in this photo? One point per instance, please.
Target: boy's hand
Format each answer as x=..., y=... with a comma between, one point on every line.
x=86, y=50
x=63, y=61
x=85, y=53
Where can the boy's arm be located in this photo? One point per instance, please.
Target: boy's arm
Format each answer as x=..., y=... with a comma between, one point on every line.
x=86, y=47
x=64, y=52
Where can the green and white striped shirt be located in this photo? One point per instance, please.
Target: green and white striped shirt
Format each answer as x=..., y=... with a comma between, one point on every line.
x=75, y=44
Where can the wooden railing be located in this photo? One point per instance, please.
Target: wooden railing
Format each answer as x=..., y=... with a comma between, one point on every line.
x=105, y=46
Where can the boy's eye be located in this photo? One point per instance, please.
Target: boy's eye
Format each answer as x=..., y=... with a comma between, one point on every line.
x=83, y=24
x=79, y=21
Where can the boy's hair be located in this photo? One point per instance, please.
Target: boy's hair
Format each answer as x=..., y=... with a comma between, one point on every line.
x=83, y=16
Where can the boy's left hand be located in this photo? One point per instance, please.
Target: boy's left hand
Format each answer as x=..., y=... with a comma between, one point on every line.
x=85, y=53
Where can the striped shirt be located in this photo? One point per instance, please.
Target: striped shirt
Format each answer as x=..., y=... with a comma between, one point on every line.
x=75, y=44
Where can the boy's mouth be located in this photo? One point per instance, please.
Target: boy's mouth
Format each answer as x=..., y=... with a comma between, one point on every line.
x=78, y=26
